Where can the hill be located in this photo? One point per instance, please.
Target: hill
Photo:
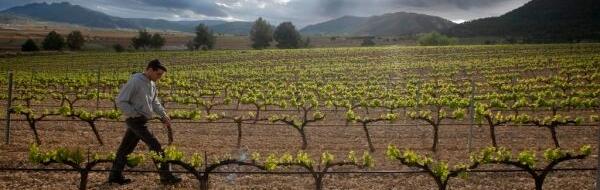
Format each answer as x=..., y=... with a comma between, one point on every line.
x=391, y=24
x=540, y=21
x=55, y=12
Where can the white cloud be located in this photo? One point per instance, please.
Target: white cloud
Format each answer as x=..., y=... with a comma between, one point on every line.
x=224, y=5
x=458, y=21
x=261, y=5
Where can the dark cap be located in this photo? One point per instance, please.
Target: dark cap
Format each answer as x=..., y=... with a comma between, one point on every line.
x=155, y=64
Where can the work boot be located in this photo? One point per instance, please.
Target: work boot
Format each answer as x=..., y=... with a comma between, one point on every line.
x=171, y=180
x=120, y=181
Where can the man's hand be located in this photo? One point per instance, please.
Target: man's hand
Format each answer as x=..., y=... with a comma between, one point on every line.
x=167, y=122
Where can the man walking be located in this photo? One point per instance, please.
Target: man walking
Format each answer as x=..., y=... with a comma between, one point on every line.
x=137, y=100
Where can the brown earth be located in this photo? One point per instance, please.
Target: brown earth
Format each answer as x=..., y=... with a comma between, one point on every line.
x=220, y=139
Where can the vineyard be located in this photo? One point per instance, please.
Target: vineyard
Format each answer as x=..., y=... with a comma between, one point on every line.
x=463, y=117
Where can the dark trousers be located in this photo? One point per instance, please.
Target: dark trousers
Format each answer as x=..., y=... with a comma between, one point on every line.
x=136, y=131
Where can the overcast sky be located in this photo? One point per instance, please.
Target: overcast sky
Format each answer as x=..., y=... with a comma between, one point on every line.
x=300, y=12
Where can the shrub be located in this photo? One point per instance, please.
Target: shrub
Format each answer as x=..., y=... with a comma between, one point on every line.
x=29, y=45
x=118, y=48
x=75, y=40
x=436, y=39
x=368, y=42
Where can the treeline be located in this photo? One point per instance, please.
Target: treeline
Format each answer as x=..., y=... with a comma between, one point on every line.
x=75, y=41
x=262, y=34
x=56, y=42
x=286, y=35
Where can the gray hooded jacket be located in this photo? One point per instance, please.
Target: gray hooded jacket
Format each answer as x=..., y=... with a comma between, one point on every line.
x=138, y=97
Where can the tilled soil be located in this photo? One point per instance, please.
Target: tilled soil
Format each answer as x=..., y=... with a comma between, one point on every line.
x=220, y=139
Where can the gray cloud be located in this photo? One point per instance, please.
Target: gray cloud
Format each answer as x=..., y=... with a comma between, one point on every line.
x=462, y=4
x=300, y=12
x=5, y=4
x=203, y=7
x=165, y=9
x=450, y=9
x=335, y=7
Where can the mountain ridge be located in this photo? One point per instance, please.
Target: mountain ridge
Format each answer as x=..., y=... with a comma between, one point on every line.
x=539, y=21
x=79, y=15
x=389, y=24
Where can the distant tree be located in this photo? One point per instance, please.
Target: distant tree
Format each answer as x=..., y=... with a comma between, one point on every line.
x=205, y=39
x=75, y=40
x=368, y=42
x=489, y=42
x=118, y=48
x=142, y=41
x=306, y=42
x=436, y=39
x=287, y=36
x=510, y=40
x=29, y=45
x=332, y=38
x=190, y=45
x=53, y=41
x=261, y=34
x=157, y=41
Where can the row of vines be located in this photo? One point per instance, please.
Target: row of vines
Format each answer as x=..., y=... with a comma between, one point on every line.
x=542, y=86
